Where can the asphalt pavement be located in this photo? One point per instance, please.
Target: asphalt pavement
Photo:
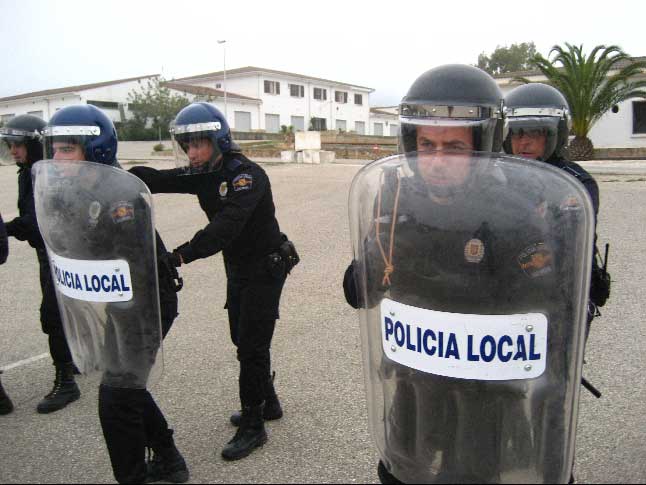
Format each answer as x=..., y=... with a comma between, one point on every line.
x=324, y=436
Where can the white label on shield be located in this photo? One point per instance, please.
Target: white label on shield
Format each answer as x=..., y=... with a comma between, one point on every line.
x=465, y=346
x=97, y=281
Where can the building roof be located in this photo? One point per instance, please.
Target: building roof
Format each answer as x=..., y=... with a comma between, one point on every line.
x=511, y=75
x=378, y=111
x=204, y=91
x=71, y=89
x=252, y=69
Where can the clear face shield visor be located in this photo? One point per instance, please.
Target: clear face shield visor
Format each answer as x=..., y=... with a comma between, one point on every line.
x=196, y=148
x=533, y=137
x=437, y=128
x=13, y=137
x=68, y=143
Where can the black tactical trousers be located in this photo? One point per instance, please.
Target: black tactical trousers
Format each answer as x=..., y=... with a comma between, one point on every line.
x=253, y=297
x=131, y=421
x=50, y=317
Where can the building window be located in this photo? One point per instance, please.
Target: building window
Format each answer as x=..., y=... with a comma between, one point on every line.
x=378, y=129
x=341, y=97
x=341, y=125
x=218, y=86
x=297, y=91
x=5, y=118
x=272, y=87
x=318, y=124
x=360, y=127
x=320, y=94
x=639, y=117
x=358, y=99
x=104, y=104
x=298, y=122
x=394, y=130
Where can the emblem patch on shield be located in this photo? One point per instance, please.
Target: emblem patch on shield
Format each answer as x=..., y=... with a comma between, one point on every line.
x=474, y=251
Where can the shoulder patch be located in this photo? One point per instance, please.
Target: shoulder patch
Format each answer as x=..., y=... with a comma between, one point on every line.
x=122, y=212
x=243, y=181
x=536, y=260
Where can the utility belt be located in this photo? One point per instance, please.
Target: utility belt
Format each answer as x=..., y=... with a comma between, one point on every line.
x=279, y=263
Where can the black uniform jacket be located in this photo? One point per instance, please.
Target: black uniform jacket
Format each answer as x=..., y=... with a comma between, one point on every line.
x=25, y=226
x=4, y=246
x=238, y=202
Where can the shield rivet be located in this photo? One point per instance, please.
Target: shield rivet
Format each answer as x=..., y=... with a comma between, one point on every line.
x=392, y=314
x=116, y=270
x=528, y=367
x=393, y=348
x=529, y=328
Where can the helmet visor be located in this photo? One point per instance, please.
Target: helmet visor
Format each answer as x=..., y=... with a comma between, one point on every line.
x=441, y=134
x=12, y=136
x=196, y=147
x=68, y=142
x=533, y=137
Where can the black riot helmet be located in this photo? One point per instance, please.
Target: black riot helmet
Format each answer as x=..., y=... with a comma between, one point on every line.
x=454, y=95
x=25, y=130
x=535, y=110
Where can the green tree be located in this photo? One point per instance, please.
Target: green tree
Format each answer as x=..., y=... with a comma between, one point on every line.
x=592, y=85
x=514, y=58
x=153, y=107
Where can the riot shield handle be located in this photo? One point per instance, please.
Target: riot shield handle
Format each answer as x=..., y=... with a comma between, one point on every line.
x=593, y=390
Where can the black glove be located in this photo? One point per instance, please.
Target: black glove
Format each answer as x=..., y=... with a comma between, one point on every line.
x=170, y=262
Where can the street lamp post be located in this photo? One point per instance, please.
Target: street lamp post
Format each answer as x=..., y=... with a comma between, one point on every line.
x=224, y=63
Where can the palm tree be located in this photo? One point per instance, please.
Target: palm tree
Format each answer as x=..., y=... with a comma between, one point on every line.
x=592, y=85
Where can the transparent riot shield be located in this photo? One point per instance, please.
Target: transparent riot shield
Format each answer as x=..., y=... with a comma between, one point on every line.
x=473, y=275
x=97, y=224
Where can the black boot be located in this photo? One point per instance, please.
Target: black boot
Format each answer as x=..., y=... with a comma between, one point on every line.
x=167, y=464
x=272, y=411
x=65, y=390
x=6, y=406
x=250, y=435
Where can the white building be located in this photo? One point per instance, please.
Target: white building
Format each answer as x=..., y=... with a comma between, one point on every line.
x=255, y=100
x=290, y=99
x=622, y=127
x=111, y=97
x=384, y=121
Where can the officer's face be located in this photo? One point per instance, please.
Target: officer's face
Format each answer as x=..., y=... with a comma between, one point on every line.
x=448, y=169
x=529, y=144
x=68, y=152
x=18, y=152
x=200, y=152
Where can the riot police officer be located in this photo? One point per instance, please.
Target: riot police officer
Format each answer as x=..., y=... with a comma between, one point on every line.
x=236, y=196
x=6, y=406
x=22, y=135
x=130, y=418
x=538, y=118
x=456, y=239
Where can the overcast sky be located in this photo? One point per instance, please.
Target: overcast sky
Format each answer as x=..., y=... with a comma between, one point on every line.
x=383, y=45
